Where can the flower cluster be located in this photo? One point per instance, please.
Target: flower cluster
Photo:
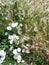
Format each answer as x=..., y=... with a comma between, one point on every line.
x=12, y=25
x=14, y=39
x=17, y=55
x=2, y=56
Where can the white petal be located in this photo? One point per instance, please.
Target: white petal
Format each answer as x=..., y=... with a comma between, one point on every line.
x=15, y=52
x=15, y=36
x=14, y=24
x=19, y=49
x=18, y=61
x=9, y=28
x=15, y=57
x=3, y=57
x=19, y=57
x=10, y=37
x=11, y=41
x=22, y=61
x=1, y=61
x=2, y=53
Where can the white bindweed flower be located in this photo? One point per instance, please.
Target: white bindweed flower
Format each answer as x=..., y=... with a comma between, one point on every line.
x=10, y=37
x=15, y=36
x=2, y=52
x=18, y=49
x=11, y=41
x=19, y=58
x=14, y=24
x=23, y=50
x=22, y=61
x=15, y=57
x=21, y=24
x=15, y=52
x=19, y=31
x=9, y=28
x=1, y=61
x=2, y=56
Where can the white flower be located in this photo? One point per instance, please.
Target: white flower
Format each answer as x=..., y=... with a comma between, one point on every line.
x=18, y=49
x=10, y=37
x=11, y=41
x=15, y=57
x=19, y=31
x=21, y=24
x=23, y=50
x=1, y=61
x=15, y=52
x=19, y=58
x=22, y=61
x=2, y=53
x=2, y=56
x=9, y=28
x=15, y=36
x=14, y=24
